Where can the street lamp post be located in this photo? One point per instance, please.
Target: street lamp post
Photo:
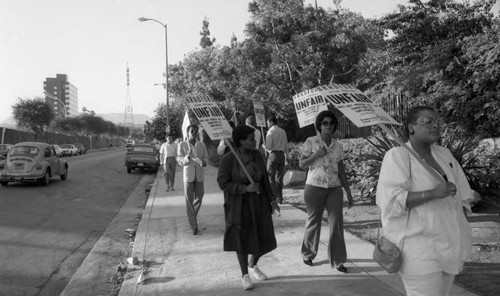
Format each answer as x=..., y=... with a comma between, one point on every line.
x=164, y=25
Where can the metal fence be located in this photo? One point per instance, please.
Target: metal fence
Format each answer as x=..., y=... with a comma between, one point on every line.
x=397, y=105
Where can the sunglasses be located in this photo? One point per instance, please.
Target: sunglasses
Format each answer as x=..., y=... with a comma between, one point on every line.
x=429, y=123
x=330, y=123
x=194, y=131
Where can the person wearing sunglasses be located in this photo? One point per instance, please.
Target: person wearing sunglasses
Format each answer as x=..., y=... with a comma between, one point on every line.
x=192, y=155
x=323, y=155
x=422, y=214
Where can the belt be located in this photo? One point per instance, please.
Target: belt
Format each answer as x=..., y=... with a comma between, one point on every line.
x=276, y=151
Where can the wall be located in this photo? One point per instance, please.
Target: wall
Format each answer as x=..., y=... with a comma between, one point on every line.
x=13, y=136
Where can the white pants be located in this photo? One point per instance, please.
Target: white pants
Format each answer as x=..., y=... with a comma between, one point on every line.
x=431, y=284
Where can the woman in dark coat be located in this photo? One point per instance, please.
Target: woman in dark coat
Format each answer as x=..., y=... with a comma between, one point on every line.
x=247, y=207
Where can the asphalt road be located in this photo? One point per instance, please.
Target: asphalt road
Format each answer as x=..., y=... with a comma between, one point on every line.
x=46, y=232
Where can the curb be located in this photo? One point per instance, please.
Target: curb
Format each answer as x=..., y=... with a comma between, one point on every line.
x=92, y=277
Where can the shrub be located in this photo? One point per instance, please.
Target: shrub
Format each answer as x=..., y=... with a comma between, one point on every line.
x=364, y=157
x=363, y=161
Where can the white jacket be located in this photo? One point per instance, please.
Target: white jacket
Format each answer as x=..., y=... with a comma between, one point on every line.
x=438, y=235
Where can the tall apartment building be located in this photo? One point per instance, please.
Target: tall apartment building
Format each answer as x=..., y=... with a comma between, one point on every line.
x=61, y=95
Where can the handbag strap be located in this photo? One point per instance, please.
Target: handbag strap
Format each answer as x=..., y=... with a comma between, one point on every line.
x=407, y=218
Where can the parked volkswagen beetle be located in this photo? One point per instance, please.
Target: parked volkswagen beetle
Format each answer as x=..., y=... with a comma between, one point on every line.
x=32, y=162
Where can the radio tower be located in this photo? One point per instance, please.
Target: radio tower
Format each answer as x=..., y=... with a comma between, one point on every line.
x=128, y=115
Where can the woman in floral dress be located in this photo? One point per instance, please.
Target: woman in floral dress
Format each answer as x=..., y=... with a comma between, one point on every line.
x=323, y=155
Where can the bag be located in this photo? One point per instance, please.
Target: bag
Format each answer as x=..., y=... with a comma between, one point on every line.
x=387, y=255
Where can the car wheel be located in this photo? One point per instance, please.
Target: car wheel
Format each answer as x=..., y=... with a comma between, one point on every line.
x=129, y=170
x=65, y=175
x=44, y=181
x=4, y=183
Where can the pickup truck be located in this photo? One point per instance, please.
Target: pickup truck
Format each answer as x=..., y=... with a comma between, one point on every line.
x=142, y=157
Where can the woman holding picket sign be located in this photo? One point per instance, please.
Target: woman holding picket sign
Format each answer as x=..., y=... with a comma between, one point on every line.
x=323, y=155
x=247, y=204
x=423, y=213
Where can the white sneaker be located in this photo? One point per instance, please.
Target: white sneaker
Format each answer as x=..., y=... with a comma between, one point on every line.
x=257, y=273
x=247, y=283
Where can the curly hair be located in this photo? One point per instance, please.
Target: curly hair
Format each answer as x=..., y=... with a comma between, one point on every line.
x=322, y=115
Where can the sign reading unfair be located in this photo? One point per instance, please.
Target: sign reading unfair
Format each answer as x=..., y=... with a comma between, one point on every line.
x=260, y=115
x=307, y=106
x=210, y=117
x=346, y=98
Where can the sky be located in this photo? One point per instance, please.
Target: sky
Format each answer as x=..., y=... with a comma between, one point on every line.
x=93, y=40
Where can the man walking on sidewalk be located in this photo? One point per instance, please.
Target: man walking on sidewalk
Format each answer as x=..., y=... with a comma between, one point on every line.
x=168, y=157
x=193, y=156
x=276, y=146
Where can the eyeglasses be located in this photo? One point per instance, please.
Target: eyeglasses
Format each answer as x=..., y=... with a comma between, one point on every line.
x=430, y=122
x=194, y=131
x=330, y=123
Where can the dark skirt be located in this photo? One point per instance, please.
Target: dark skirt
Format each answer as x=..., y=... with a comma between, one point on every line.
x=253, y=232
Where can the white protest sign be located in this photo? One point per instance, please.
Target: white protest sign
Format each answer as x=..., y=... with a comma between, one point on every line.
x=260, y=114
x=307, y=106
x=210, y=117
x=352, y=103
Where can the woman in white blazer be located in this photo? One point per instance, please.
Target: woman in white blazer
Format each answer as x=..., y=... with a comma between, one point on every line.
x=437, y=236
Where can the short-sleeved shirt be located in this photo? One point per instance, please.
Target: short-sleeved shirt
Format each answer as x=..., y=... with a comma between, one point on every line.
x=324, y=171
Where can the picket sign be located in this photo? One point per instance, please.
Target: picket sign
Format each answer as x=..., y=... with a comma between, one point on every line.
x=214, y=123
x=355, y=105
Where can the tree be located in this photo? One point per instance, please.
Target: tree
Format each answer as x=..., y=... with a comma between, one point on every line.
x=433, y=60
x=33, y=114
x=205, y=35
x=71, y=125
x=290, y=47
x=155, y=129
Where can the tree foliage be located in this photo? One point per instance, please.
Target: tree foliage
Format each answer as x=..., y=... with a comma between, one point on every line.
x=156, y=128
x=435, y=60
x=289, y=47
x=444, y=53
x=33, y=114
x=205, y=35
x=88, y=124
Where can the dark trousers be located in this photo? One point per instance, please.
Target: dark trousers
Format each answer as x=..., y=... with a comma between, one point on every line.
x=276, y=172
x=193, y=191
x=316, y=199
x=170, y=166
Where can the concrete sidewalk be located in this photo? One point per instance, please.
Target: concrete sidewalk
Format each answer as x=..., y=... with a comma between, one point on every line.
x=173, y=261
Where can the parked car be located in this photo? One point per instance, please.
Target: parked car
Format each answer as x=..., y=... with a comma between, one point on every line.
x=129, y=144
x=32, y=162
x=4, y=148
x=81, y=148
x=57, y=149
x=68, y=149
x=143, y=157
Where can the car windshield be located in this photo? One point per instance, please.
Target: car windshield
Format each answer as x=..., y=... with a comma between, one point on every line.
x=24, y=151
x=65, y=146
x=143, y=149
